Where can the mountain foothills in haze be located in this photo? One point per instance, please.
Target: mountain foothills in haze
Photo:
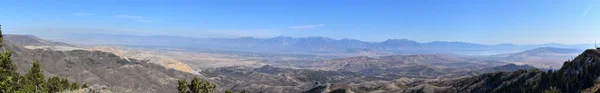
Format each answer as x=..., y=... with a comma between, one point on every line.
x=121, y=70
x=317, y=65
x=310, y=45
x=422, y=66
x=543, y=57
x=299, y=46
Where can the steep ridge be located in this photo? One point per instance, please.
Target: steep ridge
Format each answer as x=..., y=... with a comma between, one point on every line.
x=409, y=85
x=100, y=68
x=577, y=75
x=29, y=40
x=506, y=68
x=33, y=42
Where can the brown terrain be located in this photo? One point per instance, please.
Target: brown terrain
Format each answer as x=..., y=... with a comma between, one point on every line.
x=124, y=69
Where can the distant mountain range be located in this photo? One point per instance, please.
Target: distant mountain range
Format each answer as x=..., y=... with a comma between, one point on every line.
x=547, y=50
x=29, y=40
x=310, y=45
x=394, y=73
x=543, y=57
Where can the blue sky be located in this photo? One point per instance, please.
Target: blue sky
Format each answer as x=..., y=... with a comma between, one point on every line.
x=478, y=21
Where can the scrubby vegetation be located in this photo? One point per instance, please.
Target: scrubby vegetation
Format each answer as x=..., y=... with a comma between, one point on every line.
x=196, y=86
x=32, y=82
x=575, y=76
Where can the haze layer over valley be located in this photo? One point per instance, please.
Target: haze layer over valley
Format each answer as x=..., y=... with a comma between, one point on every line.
x=303, y=46
x=297, y=52
x=291, y=71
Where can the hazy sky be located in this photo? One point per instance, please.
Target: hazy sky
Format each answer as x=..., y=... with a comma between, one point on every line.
x=478, y=21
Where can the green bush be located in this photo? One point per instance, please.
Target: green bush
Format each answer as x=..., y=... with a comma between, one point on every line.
x=196, y=86
x=32, y=82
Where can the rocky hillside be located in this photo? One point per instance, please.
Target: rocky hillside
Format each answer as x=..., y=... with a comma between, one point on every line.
x=577, y=75
x=121, y=70
x=374, y=84
x=29, y=40
x=99, y=68
x=269, y=79
x=421, y=66
x=32, y=42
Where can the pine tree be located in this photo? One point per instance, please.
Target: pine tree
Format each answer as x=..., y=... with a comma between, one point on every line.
x=182, y=88
x=65, y=84
x=36, y=76
x=228, y=91
x=74, y=86
x=8, y=71
x=243, y=91
x=54, y=85
x=552, y=90
x=195, y=85
x=84, y=85
x=207, y=87
x=199, y=86
x=34, y=80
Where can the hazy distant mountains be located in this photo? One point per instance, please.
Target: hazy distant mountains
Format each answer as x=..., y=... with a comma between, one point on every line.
x=537, y=52
x=544, y=57
x=360, y=74
x=29, y=40
x=309, y=45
